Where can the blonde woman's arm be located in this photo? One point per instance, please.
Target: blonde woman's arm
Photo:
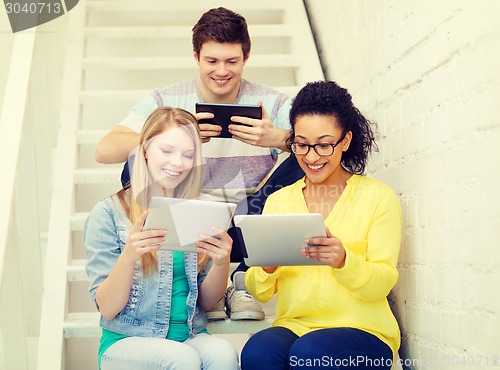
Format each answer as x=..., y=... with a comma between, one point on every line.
x=218, y=248
x=113, y=293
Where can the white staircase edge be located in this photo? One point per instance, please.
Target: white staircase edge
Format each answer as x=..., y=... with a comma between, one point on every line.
x=114, y=6
x=77, y=220
x=76, y=270
x=148, y=63
x=51, y=348
x=86, y=325
x=181, y=32
x=131, y=96
x=11, y=127
x=97, y=175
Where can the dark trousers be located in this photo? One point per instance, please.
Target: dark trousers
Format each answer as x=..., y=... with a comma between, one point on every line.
x=285, y=174
x=278, y=348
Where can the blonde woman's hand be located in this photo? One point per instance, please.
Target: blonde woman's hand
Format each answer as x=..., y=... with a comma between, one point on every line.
x=217, y=247
x=328, y=250
x=142, y=241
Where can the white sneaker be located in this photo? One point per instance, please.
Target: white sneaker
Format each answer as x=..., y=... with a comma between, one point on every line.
x=217, y=312
x=240, y=305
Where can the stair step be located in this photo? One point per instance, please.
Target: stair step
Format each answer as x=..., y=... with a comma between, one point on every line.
x=170, y=32
x=86, y=325
x=131, y=96
x=149, y=63
x=97, y=175
x=77, y=220
x=228, y=326
x=113, y=6
x=122, y=96
x=90, y=136
x=76, y=270
x=82, y=325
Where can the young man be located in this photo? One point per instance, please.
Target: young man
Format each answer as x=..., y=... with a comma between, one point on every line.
x=235, y=167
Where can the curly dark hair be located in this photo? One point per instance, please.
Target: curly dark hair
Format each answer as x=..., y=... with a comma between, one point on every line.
x=326, y=98
x=221, y=25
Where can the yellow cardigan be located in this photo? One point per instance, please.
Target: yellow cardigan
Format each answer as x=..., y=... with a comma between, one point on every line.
x=367, y=219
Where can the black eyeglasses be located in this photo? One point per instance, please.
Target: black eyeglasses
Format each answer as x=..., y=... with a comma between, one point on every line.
x=321, y=149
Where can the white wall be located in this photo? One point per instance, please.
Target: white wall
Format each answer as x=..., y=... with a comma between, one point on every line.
x=428, y=73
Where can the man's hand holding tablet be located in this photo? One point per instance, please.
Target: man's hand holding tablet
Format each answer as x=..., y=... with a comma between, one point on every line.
x=214, y=119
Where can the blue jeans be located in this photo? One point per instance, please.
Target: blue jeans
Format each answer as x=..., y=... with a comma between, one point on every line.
x=203, y=351
x=278, y=348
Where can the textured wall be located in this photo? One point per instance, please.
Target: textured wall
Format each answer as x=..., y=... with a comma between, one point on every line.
x=429, y=74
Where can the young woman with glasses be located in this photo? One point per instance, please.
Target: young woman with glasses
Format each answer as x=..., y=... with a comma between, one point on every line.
x=334, y=315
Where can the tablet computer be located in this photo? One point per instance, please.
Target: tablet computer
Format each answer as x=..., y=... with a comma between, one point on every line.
x=223, y=113
x=184, y=219
x=276, y=240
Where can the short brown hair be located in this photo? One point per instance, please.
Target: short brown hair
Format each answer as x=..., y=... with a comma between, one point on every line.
x=221, y=25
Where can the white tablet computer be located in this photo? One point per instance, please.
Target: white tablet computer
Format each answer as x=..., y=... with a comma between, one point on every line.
x=184, y=219
x=276, y=240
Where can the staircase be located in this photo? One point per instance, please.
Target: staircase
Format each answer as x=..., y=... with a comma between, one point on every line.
x=118, y=51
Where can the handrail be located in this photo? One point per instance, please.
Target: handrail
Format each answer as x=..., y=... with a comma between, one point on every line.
x=14, y=322
x=11, y=127
x=51, y=345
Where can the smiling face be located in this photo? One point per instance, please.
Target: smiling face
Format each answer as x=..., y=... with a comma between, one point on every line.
x=221, y=67
x=321, y=129
x=170, y=157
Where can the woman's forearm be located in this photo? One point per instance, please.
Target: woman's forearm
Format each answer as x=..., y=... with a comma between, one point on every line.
x=214, y=286
x=113, y=294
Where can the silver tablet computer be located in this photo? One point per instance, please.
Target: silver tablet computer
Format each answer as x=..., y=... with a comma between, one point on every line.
x=184, y=219
x=276, y=240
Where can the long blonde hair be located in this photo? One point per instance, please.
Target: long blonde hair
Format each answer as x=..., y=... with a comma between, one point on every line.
x=160, y=120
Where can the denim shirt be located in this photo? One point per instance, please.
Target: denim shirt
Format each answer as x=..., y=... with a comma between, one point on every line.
x=147, y=311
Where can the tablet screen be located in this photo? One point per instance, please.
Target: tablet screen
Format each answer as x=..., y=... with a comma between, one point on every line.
x=224, y=112
x=184, y=219
x=276, y=240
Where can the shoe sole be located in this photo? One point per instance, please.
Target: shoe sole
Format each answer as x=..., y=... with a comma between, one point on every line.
x=215, y=316
x=249, y=315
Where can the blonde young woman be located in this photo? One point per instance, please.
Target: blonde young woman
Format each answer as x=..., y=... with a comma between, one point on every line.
x=152, y=301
